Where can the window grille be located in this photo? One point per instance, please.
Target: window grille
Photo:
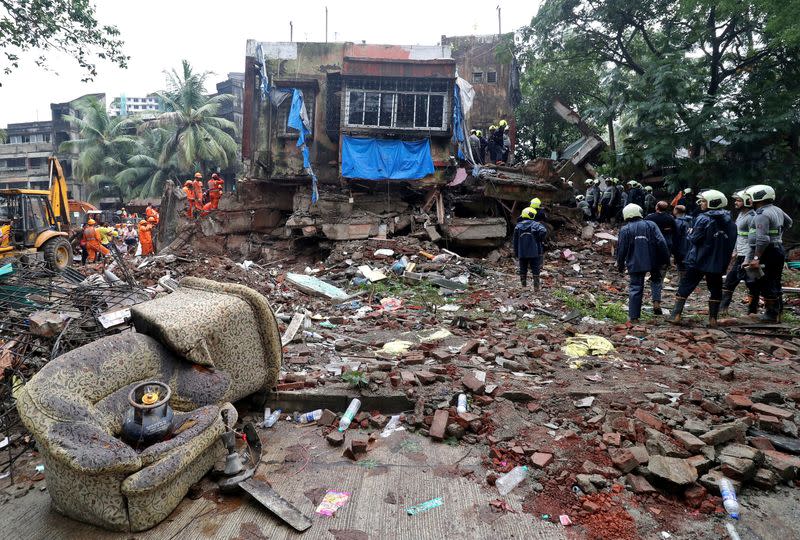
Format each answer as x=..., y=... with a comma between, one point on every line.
x=477, y=77
x=491, y=77
x=389, y=103
x=309, y=98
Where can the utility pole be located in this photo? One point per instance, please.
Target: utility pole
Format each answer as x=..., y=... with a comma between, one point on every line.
x=291, y=31
x=326, y=24
x=499, y=29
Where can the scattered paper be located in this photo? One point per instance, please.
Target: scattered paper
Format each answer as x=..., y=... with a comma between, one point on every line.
x=397, y=347
x=331, y=502
x=370, y=274
x=436, y=336
x=424, y=507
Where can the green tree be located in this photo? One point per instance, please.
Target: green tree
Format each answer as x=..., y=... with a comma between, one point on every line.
x=3, y=136
x=143, y=175
x=68, y=26
x=196, y=139
x=104, y=146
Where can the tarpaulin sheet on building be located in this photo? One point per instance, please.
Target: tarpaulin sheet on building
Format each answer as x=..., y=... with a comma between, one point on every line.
x=383, y=159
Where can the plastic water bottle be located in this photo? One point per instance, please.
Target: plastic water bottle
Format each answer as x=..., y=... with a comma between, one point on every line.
x=511, y=479
x=313, y=416
x=732, y=531
x=349, y=414
x=462, y=404
x=729, y=497
x=270, y=418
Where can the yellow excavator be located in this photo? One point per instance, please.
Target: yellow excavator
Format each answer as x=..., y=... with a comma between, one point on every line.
x=35, y=222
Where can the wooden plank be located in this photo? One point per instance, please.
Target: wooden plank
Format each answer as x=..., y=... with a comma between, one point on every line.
x=277, y=504
x=291, y=330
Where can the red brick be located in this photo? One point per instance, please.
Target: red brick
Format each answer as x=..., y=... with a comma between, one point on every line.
x=689, y=441
x=648, y=419
x=541, y=459
x=785, y=465
x=426, y=377
x=441, y=355
x=290, y=386
x=439, y=424
x=738, y=401
x=762, y=443
x=590, y=507
x=473, y=384
x=408, y=377
x=769, y=422
x=769, y=410
x=623, y=459
x=469, y=347
x=612, y=439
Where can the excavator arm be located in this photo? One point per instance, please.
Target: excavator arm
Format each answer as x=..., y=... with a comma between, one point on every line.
x=58, y=194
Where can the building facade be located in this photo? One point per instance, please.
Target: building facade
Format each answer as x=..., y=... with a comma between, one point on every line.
x=124, y=105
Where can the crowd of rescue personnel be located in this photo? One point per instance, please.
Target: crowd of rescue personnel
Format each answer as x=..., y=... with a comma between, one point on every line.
x=95, y=241
x=697, y=233
x=496, y=144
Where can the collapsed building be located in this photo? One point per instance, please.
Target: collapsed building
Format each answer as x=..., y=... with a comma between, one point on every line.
x=378, y=154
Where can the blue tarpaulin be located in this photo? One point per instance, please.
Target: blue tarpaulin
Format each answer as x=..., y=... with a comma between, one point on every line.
x=383, y=159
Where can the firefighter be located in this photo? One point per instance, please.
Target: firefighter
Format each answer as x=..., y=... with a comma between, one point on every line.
x=146, y=236
x=93, y=246
x=766, y=255
x=583, y=206
x=188, y=188
x=528, y=238
x=711, y=240
x=744, y=220
x=151, y=212
x=641, y=249
x=197, y=187
x=608, y=200
x=482, y=149
x=649, y=200
x=593, y=197
x=683, y=225
x=635, y=193
x=540, y=215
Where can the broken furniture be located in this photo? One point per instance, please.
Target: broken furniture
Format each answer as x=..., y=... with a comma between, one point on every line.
x=75, y=406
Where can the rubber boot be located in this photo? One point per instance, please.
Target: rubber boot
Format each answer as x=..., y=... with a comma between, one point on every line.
x=727, y=296
x=772, y=311
x=752, y=306
x=657, y=308
x=713, y=313
x=536, y=283
x=524, y=281
x=677, y=311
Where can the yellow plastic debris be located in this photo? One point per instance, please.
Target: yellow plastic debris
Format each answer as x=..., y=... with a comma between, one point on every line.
x=586, y=345
x=397, y=347
x=436, y=336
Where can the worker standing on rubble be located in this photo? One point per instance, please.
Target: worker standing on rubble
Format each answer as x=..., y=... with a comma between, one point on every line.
x=93, y=245
x=539, y=215
x=592, y=197
x=528, y=246
x=641, y=248
x=583, y=206
x=482, y=148
x=215, y=185
x=711, y=240
x=146, y=236
x=494, y=148
x=197, y=186
x=683, y=225
x=475, y=145
x=736, y=273
x=499, y=142
x=188, y=189
x=636, y=194
x=130, y=237
x=151, y=212
x=666, y=224
x=608, y=201
x=649, y=200
x=82, y=245
x=766, y=256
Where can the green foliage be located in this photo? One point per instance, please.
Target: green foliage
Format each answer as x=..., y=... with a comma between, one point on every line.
x=139, y=155
x=68, y=26
x=3, y=136
x=599, y=309
x=704, y=91
x=356, y=379
x=424, y=293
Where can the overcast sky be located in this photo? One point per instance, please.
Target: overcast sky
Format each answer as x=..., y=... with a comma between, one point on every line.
x=212, y=36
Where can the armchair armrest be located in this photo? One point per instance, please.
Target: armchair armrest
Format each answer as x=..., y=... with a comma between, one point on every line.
x=89, y=449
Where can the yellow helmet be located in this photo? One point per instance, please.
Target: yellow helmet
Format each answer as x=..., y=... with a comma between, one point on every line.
x=528, y=213
x=91, y=222
x=536, y=203
x=492, y=128
x=479, y=133
x=502, y=123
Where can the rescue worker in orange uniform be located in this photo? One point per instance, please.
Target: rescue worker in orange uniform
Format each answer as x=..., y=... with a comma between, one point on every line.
x=198, y=191
x=92, y=237
x=188, y=188
x=146, y=236
x=215, y=186
x=151, y=212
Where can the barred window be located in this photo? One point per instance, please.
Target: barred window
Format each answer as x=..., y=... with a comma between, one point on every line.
x=491, y=77
x=309, y=99
x=397, y=103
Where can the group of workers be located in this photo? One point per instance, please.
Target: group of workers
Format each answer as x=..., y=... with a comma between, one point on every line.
x=97, y=241
x=606, y=204
x=497, y=143
x=201, y=202
x=706, y=247
x=700, y=236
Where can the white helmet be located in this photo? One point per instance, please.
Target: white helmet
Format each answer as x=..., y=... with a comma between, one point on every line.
x=760, y=192
x=632, y=183
x=631, y=211
x=715, y=199
x=579, y=197
x=747, y=202
x=569, y=183
x=648, y=189
x=687, y=191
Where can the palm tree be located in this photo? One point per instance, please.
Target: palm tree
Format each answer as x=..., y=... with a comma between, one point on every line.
x=144, y=176
x=104, y=145
x=197, y=138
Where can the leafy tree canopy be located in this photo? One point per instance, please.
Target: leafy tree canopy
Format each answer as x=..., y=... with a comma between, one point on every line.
x=69, y=26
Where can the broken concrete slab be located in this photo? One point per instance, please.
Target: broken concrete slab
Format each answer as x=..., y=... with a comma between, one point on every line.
x=316, y=287
x=675, y=472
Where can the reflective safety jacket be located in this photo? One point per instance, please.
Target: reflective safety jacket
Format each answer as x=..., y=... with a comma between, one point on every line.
x=766, y=229
x=641, y=247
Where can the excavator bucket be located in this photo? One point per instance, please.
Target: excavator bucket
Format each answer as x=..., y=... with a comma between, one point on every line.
x=58, y=194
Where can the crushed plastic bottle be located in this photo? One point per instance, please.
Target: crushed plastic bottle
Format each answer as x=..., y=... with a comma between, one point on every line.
x=729, y=497
x=462, y=404
x=506, y=483
x=349, y=414
x=307, y=418
x=270, y=418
